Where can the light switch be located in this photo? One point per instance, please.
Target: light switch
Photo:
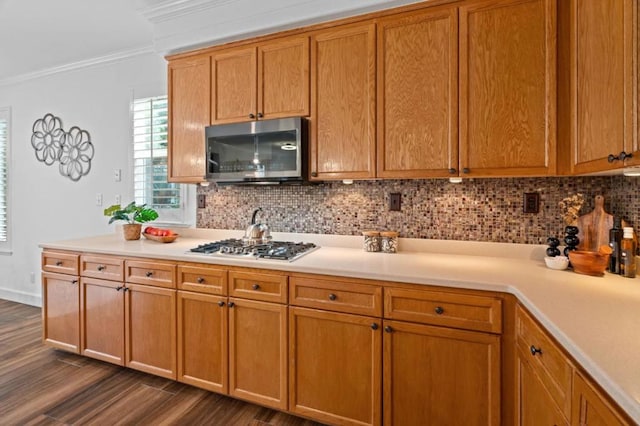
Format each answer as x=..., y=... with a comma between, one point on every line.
x=117, y=175
x=98, y=199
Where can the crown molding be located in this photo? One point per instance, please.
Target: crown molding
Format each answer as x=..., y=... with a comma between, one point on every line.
x=100, y=60
x=165, y=10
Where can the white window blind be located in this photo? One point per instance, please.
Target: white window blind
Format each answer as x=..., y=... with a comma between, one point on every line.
x=4, y=175
x=150, y=160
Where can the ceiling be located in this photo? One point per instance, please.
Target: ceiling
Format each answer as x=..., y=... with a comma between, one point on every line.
x=39, y=37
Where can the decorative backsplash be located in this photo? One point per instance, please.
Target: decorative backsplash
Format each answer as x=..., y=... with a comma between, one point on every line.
x=477, y=209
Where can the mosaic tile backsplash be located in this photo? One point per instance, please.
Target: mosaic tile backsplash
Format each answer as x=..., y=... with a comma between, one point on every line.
x=477, y=209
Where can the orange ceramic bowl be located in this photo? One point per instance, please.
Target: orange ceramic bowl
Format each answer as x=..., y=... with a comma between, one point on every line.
x=589, y=262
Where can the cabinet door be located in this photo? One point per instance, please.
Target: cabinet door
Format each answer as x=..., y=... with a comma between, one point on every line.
x=189, y=103
x=590, y=407
x=258, y=352
x=507, y=88
x=61, y=311
x=601, y=83
x=150, y=330
x=343, y=85
x=283, y=78
x=418, y=95
x=536, y=406
x=437, y=375
x=102, y=325
x=202, y=341
x=233, y=85
x=336, y=367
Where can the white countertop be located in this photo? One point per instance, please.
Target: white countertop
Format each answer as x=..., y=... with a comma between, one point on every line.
x=596, y=319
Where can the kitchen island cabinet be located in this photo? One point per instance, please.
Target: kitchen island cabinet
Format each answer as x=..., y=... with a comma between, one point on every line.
x=590, y=406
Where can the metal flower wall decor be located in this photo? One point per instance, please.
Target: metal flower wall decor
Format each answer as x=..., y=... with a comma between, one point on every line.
x=73, y=149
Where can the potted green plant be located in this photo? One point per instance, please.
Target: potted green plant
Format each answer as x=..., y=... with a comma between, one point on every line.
x=135, y=215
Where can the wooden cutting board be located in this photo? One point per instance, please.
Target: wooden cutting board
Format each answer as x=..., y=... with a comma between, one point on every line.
x=594, y=227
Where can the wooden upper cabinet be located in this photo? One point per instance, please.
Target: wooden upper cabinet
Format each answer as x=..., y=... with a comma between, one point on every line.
x=269, y=80
x=189, y=103
x=507, y=88
x=418, y=94
x=343, y=71
x=600, y=100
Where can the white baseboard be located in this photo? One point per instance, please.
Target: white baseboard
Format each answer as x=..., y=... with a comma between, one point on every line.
x=21, y=297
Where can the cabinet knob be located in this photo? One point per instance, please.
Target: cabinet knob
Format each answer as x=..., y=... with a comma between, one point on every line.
x=611, y=158
x=59, y=263
x=374, y=326
x=125, y=289
x=535, y=350
x=101, y=268
x=452, y=171
x=119, y=288
x=200, y=280
x=260, y=115
x=74, y=282
x=466, y=170
x=332, y=296
x=314, y=174
x=388, y=329
x=256, y=286
x=439, y=310
x=149, y=274
x=252, y=116
x=231, y=304
x=624, y=155
x=221, y=303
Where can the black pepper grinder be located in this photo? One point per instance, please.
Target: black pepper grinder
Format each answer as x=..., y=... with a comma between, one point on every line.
x=615, y=237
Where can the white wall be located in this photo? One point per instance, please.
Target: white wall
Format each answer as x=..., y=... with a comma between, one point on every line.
x=46, y=206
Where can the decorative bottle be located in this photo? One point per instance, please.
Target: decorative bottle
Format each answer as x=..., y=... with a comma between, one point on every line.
x=628, y=254
x=615, y=238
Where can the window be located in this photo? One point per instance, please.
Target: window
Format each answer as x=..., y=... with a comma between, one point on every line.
x=5, y=134
x=150, y=184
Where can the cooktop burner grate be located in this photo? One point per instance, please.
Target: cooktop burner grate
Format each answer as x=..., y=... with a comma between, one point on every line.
x=280, y=250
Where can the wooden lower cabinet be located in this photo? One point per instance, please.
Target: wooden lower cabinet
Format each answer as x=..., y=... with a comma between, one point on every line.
x=150, y=330
x=590, y=407
x=335, y=366
x=61, y=311
x=440, y=376
x=202, y=341
x=536, y=405
x=258, y=352
x=102, y=322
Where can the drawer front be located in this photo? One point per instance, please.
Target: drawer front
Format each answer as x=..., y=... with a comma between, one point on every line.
x=552, y=367
x=258, y=286
x=62, y=263
x=153, y=273
x=202, y=279
x=469, y=312
x=341, y=296
x=103, y=267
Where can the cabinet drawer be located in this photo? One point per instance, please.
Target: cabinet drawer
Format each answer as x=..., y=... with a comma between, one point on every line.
x=151, y=273
x=62, y=263
x=258, y=286
x=202, y=279
x=338, y=296
x=479, y=313
x=546, y=359
x=103, y=267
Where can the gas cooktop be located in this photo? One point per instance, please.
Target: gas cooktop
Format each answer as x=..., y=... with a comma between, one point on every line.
x=279, y=250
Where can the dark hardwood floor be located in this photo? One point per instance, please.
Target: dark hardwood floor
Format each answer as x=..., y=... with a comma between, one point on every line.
x=44, y=386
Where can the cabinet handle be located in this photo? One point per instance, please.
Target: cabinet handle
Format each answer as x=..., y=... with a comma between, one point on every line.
x=466, y=170
x=101, y=268
x=221, y=303
x=260, y=115
x=231, y=304
x=59, y=263
x=314, y=174
x=624, y=155
x=611, y=158
x=74, y=282
x=119, y=288
x=388, y=329
x=374, y=326
x=200, y=280
x=439, y=310
x=256, y=286
x=535, y=350
x=125, y=289
x=452, y=171
x=332, y=296
x=148, y=274
x=252, y=116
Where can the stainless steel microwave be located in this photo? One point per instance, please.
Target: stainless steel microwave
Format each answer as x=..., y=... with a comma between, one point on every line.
x=257, y=152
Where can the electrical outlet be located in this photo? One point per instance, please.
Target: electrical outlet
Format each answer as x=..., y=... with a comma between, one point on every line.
x=531, y=202
x=395, y=202
x=202, y=201
x=98, y=199
x=118, y=199
x=117, y=175
x=32, y=277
